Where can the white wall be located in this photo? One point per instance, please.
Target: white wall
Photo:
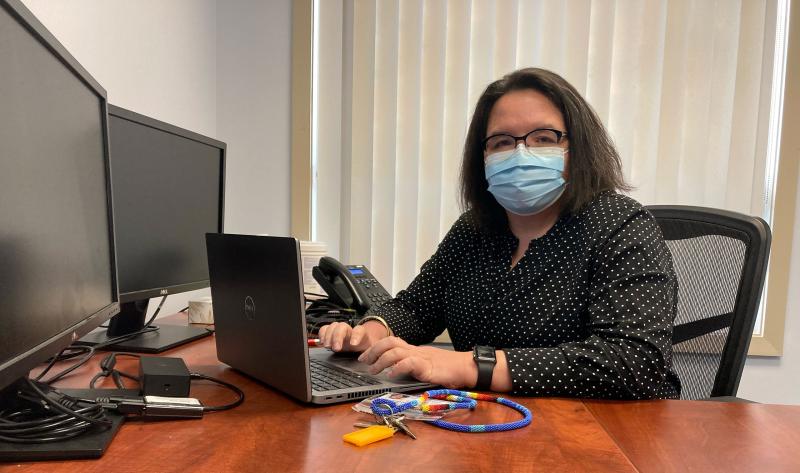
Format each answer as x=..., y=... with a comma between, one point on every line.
x=253, y=112
x=154, y=57
x=218, y=68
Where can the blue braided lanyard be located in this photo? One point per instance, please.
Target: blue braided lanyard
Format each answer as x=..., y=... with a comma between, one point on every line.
x=457, y=400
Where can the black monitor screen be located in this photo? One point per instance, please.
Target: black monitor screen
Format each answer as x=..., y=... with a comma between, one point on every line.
x=56, y=253
x=167, y=184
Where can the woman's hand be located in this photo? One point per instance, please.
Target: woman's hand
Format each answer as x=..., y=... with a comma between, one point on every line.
x=340, y=336
x=451, y=369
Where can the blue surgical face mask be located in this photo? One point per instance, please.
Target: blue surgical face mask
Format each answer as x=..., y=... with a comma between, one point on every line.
x=525, y=180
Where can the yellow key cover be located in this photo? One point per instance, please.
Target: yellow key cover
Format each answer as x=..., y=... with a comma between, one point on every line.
x=369, y=435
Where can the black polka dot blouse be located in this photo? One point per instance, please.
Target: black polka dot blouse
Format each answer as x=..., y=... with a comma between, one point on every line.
x=587, y=311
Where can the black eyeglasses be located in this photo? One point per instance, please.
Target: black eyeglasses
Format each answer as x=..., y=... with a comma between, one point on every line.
x=538, y=138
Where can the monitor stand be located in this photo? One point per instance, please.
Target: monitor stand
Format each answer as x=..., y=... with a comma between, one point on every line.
x=90, y=444
x=130, y=319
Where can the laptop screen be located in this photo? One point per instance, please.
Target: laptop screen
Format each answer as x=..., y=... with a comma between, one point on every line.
x=257, y=293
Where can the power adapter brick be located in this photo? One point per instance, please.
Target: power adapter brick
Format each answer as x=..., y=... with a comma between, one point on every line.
x=164, y=376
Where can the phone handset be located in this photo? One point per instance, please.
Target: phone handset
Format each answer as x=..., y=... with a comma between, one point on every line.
x=351, y=286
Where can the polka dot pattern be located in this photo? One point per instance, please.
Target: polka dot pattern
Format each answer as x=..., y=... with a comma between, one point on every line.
x=587, y=311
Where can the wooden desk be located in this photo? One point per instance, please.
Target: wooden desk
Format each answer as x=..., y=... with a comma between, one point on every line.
x=271, y=432
x=703, y=435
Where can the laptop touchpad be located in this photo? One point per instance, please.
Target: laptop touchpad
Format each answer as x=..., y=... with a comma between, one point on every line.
x=349, y=360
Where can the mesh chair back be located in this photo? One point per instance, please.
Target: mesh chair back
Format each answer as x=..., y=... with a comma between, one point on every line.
x=720, y=260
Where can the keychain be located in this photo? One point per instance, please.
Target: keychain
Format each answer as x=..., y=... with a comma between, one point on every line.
x=383, y=428
x=390, y=413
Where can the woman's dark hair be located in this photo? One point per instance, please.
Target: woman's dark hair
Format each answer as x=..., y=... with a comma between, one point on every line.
x=593, y=166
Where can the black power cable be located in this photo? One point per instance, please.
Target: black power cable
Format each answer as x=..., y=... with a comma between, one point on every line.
x=90, y=351
x=224, y=407
x=46, y=415
x=107, y=369
x=43, y=415
x=323, y=312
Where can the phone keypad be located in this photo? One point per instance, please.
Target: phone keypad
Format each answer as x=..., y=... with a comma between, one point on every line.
x=378, y=298
x=375, y=292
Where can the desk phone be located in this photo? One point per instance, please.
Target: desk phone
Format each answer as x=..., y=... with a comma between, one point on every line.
x=351, y=286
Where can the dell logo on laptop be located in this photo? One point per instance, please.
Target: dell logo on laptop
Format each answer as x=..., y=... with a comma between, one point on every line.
x=249, y=308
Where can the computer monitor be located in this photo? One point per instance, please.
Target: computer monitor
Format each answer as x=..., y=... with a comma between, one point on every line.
x=57, y=259
x=168, y=186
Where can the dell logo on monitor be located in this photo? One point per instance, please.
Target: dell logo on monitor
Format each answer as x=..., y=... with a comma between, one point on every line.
x=249, y=308
x=163, y=292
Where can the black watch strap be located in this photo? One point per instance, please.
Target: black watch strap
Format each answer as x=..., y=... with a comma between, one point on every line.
x=485, y=359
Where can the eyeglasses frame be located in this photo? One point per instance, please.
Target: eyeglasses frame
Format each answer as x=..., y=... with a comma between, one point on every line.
x=560, y=135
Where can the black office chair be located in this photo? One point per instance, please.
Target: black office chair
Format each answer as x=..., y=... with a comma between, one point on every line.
x=720, y=259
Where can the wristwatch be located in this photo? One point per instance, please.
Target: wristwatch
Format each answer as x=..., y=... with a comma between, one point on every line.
x=485, y=358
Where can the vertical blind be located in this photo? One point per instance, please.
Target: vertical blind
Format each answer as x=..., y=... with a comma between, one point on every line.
x=683, y=87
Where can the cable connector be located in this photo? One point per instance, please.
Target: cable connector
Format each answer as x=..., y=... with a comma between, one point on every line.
x=155, y=406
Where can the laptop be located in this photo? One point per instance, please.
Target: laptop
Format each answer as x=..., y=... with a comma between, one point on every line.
x=259, y=317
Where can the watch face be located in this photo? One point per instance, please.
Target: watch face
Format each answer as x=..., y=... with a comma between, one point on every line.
x=485, y=353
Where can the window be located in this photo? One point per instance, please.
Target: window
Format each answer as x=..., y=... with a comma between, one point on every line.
x=691, y=92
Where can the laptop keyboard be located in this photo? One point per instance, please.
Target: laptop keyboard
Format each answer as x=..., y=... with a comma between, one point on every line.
x=327, y=377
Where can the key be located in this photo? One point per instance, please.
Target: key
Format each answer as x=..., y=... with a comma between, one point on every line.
x=363, y=425
x=397, y=422
x=378, y=421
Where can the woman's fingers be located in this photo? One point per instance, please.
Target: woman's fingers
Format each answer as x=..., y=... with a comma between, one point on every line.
x=322, y=334
x=358, y=338
x=427, y=364
x=333, y=335
x=376, y=350
x=340, y=336
x=341, y=333
x=388, y=358
x=419, y=368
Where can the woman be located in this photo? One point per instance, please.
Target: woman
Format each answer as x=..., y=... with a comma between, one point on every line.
x=558, y=285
